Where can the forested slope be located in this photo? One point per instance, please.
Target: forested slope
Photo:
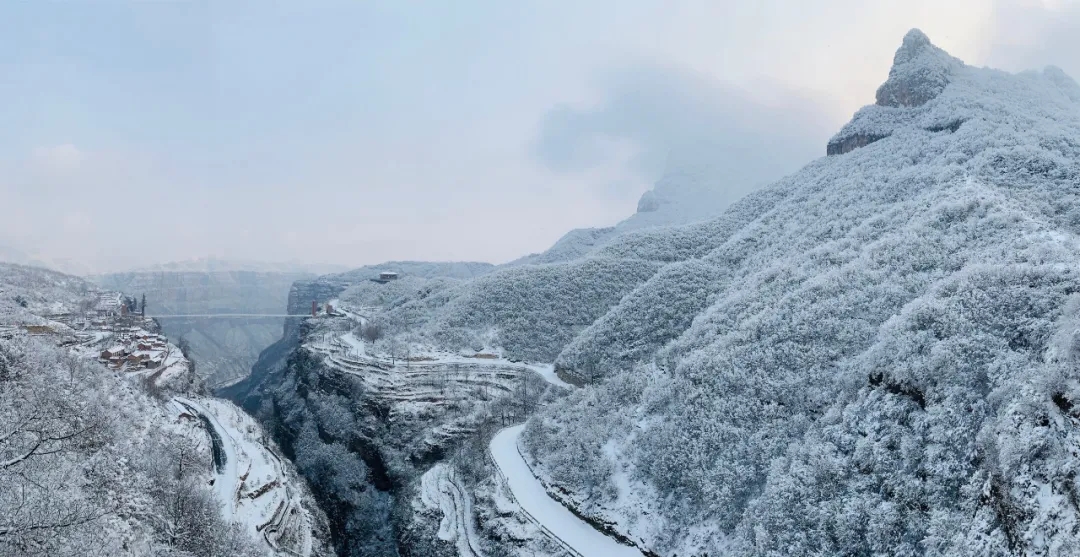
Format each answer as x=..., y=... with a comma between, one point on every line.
x=875, y=355
x=880, y=361
x=530, y=311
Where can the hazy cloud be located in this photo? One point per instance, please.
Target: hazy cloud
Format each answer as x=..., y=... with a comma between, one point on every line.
x=354, y=132
x=1030, y=35
x=57, y=158
x=752, y=138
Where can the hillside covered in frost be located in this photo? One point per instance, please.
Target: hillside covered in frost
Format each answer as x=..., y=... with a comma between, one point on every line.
x=875, y=355
x=882, y=356
x=100, y=460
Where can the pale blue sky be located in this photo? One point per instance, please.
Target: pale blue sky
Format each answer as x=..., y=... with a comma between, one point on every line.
x=354, y=132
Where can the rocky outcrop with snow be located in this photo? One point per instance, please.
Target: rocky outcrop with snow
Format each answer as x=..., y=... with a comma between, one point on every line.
x=392, y=436
x=920, y=72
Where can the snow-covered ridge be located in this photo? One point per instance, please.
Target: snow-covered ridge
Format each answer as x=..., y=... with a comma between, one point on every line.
x=930, y=91
x=869, y=357
x=875, y=355
x=414, y=379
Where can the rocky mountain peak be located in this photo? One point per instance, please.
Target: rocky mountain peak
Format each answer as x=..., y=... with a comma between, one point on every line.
x=915, y=41
x=919, y=73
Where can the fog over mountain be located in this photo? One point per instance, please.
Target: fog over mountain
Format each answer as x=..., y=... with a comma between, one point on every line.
x=680, y=279
x=233, y=143
x=873, y=355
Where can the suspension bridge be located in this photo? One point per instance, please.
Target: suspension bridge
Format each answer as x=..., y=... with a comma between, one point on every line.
x=227, y=315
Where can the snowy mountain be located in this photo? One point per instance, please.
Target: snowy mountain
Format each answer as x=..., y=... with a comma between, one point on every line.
x=98, y=457
x=218, y=265
x=875, y=355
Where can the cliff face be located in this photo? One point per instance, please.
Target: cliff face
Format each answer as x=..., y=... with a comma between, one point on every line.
x=325, y=426
x=364, y=430
x=363, y=449
x=842, y=145
x=319, y=290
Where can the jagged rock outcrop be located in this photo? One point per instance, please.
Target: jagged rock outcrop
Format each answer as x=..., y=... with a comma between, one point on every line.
x=851, y=142
x=920, y=72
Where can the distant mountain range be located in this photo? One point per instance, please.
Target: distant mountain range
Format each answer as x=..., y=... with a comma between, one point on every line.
x=216, y=265
x=10, y=254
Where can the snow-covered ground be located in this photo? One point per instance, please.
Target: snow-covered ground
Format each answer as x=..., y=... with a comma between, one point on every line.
x=355, y=345
x=348, y=351
x=427, y=377
x=547, y=371
x=252, y=482
x=440, y=489
x=534, y=499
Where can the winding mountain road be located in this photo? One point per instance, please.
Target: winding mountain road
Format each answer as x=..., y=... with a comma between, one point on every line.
x=410, y=381
x=224, y=452
x=440, y=488
x=250, y=480
x=562, y=524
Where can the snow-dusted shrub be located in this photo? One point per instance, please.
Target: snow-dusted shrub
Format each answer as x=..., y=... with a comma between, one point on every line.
x=537, y=309
x=90, y=466
x=643, y=321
